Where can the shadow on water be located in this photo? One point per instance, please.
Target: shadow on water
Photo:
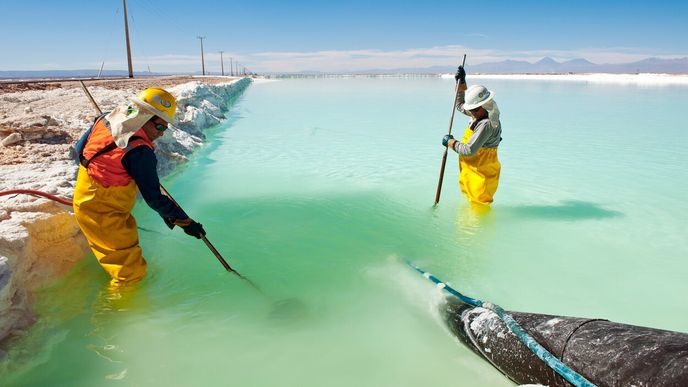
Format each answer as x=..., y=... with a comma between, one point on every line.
x=568, y=211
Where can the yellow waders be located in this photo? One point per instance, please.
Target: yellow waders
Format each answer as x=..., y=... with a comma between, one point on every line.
x=104, y=215
x=479, y=174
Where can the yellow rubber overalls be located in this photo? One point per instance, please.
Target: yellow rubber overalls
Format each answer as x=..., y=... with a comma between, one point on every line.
x=479, y=174
x=104, y=215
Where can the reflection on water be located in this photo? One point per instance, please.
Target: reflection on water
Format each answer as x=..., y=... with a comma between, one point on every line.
x=112, y=307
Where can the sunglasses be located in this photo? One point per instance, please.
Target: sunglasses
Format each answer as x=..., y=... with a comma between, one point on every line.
x=161, y=127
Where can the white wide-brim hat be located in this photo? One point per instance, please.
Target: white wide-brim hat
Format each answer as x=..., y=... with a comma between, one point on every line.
x=476, y=96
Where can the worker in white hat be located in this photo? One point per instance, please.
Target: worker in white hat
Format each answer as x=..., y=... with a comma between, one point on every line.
x=116, y=160
x=478, y=162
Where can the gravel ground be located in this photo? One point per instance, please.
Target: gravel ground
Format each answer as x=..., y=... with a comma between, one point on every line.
x=114, y=84
x=39, y=120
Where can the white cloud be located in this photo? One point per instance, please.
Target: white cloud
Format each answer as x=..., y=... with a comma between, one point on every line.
x=357, y=60
x=476, y=35
x=425, y=57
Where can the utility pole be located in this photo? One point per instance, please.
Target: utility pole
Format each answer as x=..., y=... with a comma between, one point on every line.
x=126, y=33
x=231, y=67
x=222, y=62
x=202, y=59
x=101, y=69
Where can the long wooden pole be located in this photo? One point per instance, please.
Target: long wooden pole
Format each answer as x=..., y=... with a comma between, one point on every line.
x=446, y=149
x=212, y=248
x=90, y=97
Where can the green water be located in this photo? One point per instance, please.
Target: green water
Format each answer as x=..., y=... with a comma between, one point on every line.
x=319, y=189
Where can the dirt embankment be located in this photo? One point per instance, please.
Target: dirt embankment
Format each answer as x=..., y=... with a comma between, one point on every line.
x=39, y=119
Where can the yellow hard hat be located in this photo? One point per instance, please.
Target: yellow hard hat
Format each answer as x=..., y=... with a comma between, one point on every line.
x=157, y=101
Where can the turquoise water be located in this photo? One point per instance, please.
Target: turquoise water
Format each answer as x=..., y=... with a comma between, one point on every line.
x=319, y=189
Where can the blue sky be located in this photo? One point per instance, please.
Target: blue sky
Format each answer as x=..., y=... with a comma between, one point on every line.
x=268, y=35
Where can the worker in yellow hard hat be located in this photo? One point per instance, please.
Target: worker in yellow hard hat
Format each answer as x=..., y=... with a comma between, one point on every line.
x=116, y=158
x=478, y=162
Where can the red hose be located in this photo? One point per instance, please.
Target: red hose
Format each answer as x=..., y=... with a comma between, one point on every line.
x=37, y=193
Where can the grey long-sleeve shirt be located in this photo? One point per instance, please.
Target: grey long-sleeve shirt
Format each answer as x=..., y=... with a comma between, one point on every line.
x=484, y=134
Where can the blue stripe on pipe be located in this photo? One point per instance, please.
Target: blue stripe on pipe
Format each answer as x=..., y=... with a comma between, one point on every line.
x=543, y=354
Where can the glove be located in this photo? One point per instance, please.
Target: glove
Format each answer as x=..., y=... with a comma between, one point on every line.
x=191, y=227
x=446, y=138
x=460, y=75
x=194, y=229
x=169, y=222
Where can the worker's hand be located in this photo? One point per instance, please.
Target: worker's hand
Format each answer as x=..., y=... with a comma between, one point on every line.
x=169, y=222
x=460, y=75
x=191, y=227
x=194, y=229
x=446, y=138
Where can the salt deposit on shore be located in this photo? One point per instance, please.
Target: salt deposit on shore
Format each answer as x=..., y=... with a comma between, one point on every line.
x=39, y=239
x=640, y=79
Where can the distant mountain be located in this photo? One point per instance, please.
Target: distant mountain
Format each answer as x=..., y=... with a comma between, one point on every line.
x=434, y=70
x=669, y=66
x=551, y=66
x=579, y=66
x=84, y=73
x=545, y=65
x=68, y=74
x=513, y=66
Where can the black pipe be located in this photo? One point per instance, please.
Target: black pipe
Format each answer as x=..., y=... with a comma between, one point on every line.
x=604, y=352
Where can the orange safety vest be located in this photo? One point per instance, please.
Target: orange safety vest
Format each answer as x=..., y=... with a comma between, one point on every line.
x=107, y=167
